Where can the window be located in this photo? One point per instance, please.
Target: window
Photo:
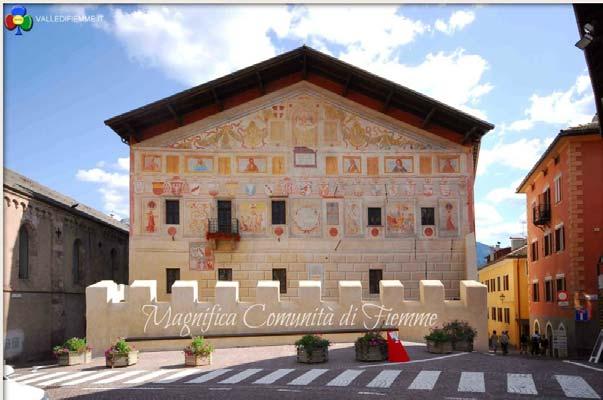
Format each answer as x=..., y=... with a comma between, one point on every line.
x=506, y=282
x=558, y=189
x=546, y=197
x=535, y=292
x=500, y=318
x=559, y=238
x=23, y=253
x=375, y=276
x=498, y=283
x=225, y=274
x=560, y=283
x=76, y=261
x=279, y=212
x=493, y=313
x=548, y=290
x=280, y=274
x=547, y=244
x=535, y=250
x=171, y=275
x=507, y=315
x=492, y=285
x=374, y=216
x=172, y=212
x=427, y=216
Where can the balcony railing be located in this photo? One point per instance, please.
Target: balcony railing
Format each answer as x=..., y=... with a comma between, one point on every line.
x=221, y=229
x=541, y=214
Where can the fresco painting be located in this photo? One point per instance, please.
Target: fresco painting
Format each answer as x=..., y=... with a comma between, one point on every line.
x=151, y=163
x=305, y=217
x=278, y=165
x=196, y=215
x=353, y=212
x=398, y=165
x=251, y=164
x=332, y=213
x=172, y=164
x=201, y=257
x=304, y=122
x=352, y=165
x=372, y=166
x=252, y=217
x=199, y=164
x=449, y=164
x=224, y=165
x=150, y=216
x=425, y=166
x=332, y=165
x=449, y=214
x=400, y=218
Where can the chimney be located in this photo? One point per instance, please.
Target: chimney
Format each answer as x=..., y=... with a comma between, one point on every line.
x=517, y=242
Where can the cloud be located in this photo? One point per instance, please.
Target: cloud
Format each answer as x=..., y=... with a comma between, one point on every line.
x=113, y=186
x=491, y=227
x=506, y=193
x=521, y=154
x=457, y=21
x=572, y=107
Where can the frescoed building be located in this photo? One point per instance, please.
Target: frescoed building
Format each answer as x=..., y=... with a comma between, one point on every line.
x=301, y=167
x=565, y=238
x=506, y=277
x=53, y=248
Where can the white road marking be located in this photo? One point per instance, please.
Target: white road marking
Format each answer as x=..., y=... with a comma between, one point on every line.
x=582, y=365
x=274, y=376
x=28, y=376
x=209, y=376
x=42, y=377
x=150, y=375
x=119, y=377
x=472, y=382
x=64, y=378
x=415, y=361
x=345, y=378
x=308, y=377
x=425, y=380
x=576, y=386
x=178, y=375
x=222, y=388
x=384, y=379
x=521, y=383
x=288, y=390
x=241, y=375
x=89, y=378
x=372, y=393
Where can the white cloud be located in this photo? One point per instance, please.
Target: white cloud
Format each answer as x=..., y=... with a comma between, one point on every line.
x=521, y=154
x=572, y=107
x=113, y=186
x=506, y=193
x=491, y=227
x=457, y=21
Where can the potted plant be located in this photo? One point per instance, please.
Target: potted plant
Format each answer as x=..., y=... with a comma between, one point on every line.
x=121, y=354
x=371, y=347
x=439, y=341
x=312, y=349
x=461, y=335
x=73, y=352
x=198, y=353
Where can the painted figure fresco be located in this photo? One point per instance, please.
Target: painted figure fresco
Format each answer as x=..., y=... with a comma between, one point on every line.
x=398, y=165
x=201, y=257
x=353, y=218
x=196, y=215
x=254, y=135
x=332, y=167
x=150, y=214
x=278, y=165
x=332, y=213
x=400, y=218
x=448, y=165
x=199, y=164
x=304, y=122
x=251, y=165
x=252, y=217
x=306, y=217
x=351, y=165
x=448, y=212
x=151, y=163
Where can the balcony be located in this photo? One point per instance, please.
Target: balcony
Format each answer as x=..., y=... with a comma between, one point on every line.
x=219, y=229
x=541, y=214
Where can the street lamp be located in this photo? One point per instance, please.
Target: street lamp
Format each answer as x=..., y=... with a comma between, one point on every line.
x=587, y=38
x=502, y=298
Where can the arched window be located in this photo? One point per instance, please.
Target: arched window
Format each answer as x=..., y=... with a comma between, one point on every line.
x=75, y=271
x=23, y=253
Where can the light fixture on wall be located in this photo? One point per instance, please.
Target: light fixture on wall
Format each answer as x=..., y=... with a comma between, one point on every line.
x=587, y=37
x=502, y=298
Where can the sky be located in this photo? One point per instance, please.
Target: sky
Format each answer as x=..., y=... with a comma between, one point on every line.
x=515, y=66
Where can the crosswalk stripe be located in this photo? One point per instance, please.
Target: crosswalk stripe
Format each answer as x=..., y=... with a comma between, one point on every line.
x=274, y=376
x=209, y=376
x=42, y=377
x=28, y=376
x=521, y=383
x=345, y=378
x=150, y=375
x=178, y=375
x=308, y=377
x=472, y=382
x=384, y=379
x=119, y=377
x=425, y=380
x=241, y=375
x=576, y=386
x=64, y=378
x=88, y=378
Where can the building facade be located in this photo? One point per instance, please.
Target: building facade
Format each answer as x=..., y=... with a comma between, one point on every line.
x=53, y=248
x=565, y=242
x=299, y=177
x=506, y=278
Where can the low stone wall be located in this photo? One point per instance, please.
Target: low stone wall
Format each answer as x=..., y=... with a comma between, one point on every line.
x=114, y=311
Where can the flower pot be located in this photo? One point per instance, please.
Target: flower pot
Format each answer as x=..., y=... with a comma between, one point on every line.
x=318, y=355
x=122, y=360
x=196, y=360
x=368, y=352
x=439, y=347
x=463, y=345
x=75, y=358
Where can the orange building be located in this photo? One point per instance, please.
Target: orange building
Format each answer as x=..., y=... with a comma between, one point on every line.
x=565, y=241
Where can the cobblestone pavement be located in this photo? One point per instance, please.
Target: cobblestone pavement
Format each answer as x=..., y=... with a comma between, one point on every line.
x=272, y=372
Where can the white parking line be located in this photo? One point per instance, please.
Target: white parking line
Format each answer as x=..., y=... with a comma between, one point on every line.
x=384, y=379
x=425, y=380
x=89, y=378
x=472, y=382
x=42, y=377
x=415, y=361
x=576, y=386
x=345, y=378
x=64, y=378
x=582, y=365
x=521, y=383
x=209, y=376
x=308, y=377
x=119, y=377
x=241, y=376
x=178, y=375
x=274, y=376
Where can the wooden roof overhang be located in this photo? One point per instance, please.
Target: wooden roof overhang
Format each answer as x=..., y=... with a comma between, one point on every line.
x=299, y=64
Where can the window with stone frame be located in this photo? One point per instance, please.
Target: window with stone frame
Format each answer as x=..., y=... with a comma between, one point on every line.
x=427, y=216
x=559, y=238
x=279, y=212
x=225, y=274
x=374, y=216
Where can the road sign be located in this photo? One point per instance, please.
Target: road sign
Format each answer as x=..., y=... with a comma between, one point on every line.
x=582, y=315
x=562, y=298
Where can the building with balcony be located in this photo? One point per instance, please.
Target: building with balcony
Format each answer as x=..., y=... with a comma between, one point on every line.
x=301, y=167
x=565, y=238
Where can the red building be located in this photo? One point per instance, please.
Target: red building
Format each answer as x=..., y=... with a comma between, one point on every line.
x=565, y=242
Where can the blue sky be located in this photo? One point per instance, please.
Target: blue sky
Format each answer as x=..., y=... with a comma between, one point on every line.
x=514, y=65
